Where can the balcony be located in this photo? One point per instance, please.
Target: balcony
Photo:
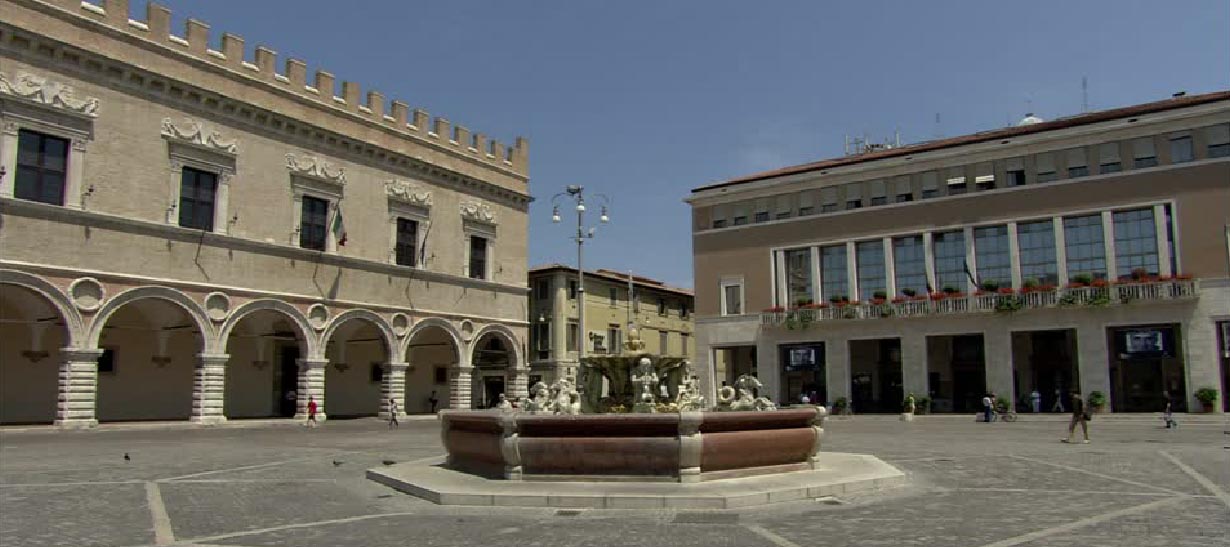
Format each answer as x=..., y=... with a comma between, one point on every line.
x=1004, y=301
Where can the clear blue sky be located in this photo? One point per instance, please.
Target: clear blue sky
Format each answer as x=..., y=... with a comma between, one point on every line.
x=643, y=100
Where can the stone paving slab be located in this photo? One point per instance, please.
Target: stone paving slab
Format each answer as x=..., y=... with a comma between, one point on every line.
x=841, y=473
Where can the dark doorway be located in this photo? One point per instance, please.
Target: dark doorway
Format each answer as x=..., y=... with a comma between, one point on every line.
x=286, y=384
x=493, y=386
x=956, y=370
x=1044, y=361
x=875, y=375
x=1223, y=328
x=803, y=368
x=1146, y=363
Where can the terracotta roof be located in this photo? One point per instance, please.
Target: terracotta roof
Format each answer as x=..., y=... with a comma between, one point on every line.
x=1015, y=131
x=613, y=275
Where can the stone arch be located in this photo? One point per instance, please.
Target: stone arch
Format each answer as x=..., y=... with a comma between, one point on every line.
x=510, y=338
x=386, y=331
x=74, y=323
x=443, y=324
x=309, y=341
x=174, y=296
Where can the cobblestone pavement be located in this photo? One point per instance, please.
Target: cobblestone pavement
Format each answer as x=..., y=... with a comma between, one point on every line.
x=971, y=484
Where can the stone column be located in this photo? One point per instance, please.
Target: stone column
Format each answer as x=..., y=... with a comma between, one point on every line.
x=691, y=446
x=769, y=371
x=8, y=159
x=393, y=386
x=519, y=383
x=997, y=351
x=837, y=369
x=311, y=385
x=209, y=389
x=914, y=365
x=460, y=381
x=78, y=388
x=1093, y=365
x=1201, y=360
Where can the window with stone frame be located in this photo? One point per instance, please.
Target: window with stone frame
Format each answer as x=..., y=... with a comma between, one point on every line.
x=799, y=280
x=45, y=130
x=910, y=264
x=197, y=192
x=42, y=167
x=202, y=166
x=1036, y=248
x=406, y=244
x=314, y=223
x=1135, y=243
x=869, y=256
x=732, y=297
x=948, y=250
x=478, y=223
x=1084, y=246
x=834, y=274
x=993, y=256
x=477, y=257
x=317, y=187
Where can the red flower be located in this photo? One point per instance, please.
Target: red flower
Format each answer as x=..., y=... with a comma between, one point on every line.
x=1076, y=285
x=1006, y=290
x=1099, y=283
x=775, y=309
x=898, y=300
x=1183, y=277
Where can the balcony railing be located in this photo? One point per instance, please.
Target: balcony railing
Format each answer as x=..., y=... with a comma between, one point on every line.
x=1116, y=294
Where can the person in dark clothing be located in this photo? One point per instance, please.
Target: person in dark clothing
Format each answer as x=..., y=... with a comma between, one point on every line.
x=1079, y=415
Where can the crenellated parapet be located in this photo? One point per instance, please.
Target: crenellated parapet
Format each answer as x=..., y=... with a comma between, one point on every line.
x=373, y=106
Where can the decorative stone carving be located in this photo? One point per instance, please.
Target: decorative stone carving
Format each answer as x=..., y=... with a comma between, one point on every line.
x=318, y=316
x=87, y=293
x=401, y=324
x=196, y=135
x=689, y=398
x=314, y=167
x=647, y=378
x=564, y=398
x=538, y=400
x=48, y=93
x=217, y=306
x=467, y=330
x=746, y=385
x=476, y=211
x=407, y=192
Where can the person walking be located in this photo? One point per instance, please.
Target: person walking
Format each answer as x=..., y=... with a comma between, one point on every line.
x=432, y=401
x=1058, y=406
x=393, y=411
x=311, y=408
x=1079, y=415
x=1168, y=412
x=987, y=407
x=1035, y=401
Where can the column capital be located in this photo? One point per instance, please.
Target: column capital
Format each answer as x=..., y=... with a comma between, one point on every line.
x=465, y=369
x=213, y=358
x=312, y=363
x=396, y=366
x=89, y=355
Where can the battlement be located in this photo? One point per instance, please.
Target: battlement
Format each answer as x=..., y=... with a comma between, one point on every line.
x=415, y=124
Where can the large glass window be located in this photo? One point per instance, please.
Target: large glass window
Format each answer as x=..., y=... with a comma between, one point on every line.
x=798, y=277
x=834, y=282
x=573, y=336
x=992, y=254
x=732, y=298
x=1135, y=242
x=407, y=241
x=478, y=257
x=313, y=223
x=1036, y=241
x=949, y=251
x=196, y=199
x=871, y=279
x=910, y=264
x=42, y=165
x=1084, y=246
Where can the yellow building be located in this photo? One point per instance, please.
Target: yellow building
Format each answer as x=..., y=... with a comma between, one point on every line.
x=662, y=313
x=188, y=235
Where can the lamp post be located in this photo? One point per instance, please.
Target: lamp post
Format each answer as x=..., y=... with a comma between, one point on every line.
x=576, y=193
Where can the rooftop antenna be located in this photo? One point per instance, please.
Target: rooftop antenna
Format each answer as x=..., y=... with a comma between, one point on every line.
x=938, y=133
x=1084, y=94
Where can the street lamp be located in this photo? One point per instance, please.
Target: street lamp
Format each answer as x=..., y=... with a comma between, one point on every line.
x=576, y=194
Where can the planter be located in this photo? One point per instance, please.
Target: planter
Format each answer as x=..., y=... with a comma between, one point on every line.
x=1206, y=407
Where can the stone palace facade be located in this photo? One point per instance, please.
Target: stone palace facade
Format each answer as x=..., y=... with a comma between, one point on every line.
x=186, y=235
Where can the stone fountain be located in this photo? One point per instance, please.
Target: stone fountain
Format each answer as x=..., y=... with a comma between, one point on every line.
x=638, y=423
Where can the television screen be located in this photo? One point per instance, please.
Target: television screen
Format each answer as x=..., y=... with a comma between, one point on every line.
x=802, y=357
x=1144, y=341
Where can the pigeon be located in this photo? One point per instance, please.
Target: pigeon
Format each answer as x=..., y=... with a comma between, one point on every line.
x=126, y=458
x=388, y=462
x=337, y=463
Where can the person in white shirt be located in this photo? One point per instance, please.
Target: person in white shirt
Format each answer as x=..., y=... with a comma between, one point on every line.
x=1035, y=400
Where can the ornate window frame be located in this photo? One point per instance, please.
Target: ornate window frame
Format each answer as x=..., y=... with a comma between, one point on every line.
x=313, y=176
x=407, y=200
x=193, y=144
x=478, y=219
x=32, y=102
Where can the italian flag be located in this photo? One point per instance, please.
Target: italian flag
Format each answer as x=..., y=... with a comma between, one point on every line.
x=339, y=228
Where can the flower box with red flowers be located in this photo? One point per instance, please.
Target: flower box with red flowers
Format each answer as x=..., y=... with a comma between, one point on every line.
x=1006, y=290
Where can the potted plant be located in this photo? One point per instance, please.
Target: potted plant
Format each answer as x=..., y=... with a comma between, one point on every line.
x=922, y=405
x=879, y=297
x=950, y=290
x=1081, y=280
x=1002, y=404
x=989, y=286
x=841, y=406
x=1097, y=401
x=1029, y=285
x=909, y=293
x=1207, y=397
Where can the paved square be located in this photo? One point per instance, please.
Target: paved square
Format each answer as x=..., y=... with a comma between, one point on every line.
x=970, y=484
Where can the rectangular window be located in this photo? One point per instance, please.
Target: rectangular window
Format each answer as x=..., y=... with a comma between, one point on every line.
x=717, y=215
x=740, y=215
x=833, y=273
x=881, y=200
x=1084, y=246
x=991, y=253
x=683, y=343
x=798, y=277
x=42, y=167
x=1078, y=171
x=1218, y=138
x=1045, y=166
x=572, y=289
x=1014, y=171
x=761, y=216
x=1181, y=149
x=313, y=223
x=613, y=338
x=854, y=204
x=828, y=208
x=196, y=199
x=984, y=176
x=930, y=185
x=663, y=340
x=1078, y=166
x=1036, y=243
x=613, y=295
x=905, y=198
x=949, y=251
x=106, y=361
x=1143, y=153
x=910, y=264
x=542, y=340
x=878, y=192
x=573, y=336
x=1108, y=158
x=761, y=213
x=732, y=299
x=1135, y=243
x=478, y=257
x=1016, y=177
x=783, y=207
x=719, y=223
x=542, y=289
x=661, y=306
x=807, y=203
x=683, y=310
x=870, y=262
x=407, y=243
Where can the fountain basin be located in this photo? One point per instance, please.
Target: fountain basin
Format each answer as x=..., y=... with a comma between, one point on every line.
x=677, y=447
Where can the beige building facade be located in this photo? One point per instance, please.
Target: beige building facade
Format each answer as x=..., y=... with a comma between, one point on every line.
x=662, y=315
x=188, y=235
x=1088, y=253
